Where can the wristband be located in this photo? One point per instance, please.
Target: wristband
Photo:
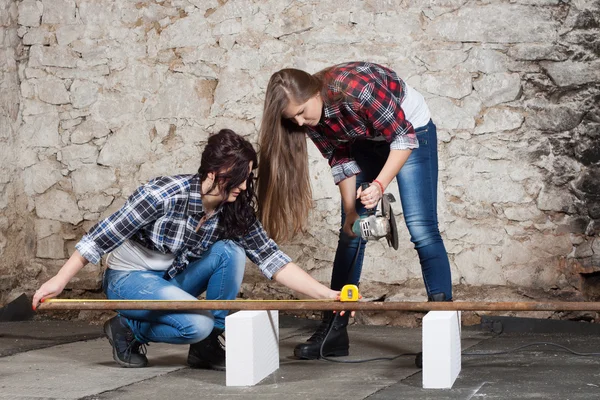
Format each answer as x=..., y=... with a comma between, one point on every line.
x=380, y=185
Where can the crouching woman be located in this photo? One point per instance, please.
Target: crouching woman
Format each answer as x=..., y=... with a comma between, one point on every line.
x=175, y=238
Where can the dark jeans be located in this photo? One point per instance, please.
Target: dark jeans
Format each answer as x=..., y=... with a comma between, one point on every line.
x=417, y=181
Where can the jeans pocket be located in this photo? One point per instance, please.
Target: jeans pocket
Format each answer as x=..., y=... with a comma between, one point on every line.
x=112, y=282
x=423, y=135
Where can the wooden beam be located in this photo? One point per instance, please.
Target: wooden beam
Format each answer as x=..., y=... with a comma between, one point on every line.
x=316, y=305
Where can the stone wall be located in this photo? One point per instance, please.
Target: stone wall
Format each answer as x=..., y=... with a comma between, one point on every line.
x=113, y=93
x=11, y=235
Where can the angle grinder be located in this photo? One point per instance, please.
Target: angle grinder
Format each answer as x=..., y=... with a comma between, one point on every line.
x=378, y=222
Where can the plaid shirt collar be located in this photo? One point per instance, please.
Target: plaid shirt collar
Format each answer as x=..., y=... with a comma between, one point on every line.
x=195, y=206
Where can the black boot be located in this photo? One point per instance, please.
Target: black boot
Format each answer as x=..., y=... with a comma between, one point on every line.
x=337, y=343
x=437, y=297
x=209, y=353
x=127, y=351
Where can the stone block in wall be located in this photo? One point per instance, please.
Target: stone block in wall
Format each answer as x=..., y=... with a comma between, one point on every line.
x=487, y=61
x=92, y=72
x=59, y=12
x=47, y=227
x=449, y=115
x=30, y=13
x=572, y=73
x=37, y=36
x=52, y=91
x=190, y=31
x=182, y=97
x=115, y=109
x=41, y=130
x=6, y=128
x=536, y=51
x=498, y=88
x=88, y=130
x=499, y=119
x=96, y=204
x=58, y=205
x=41, y=176
x=455, y=83
x=52, y=56
x=496, y=23
x=76, y=155
x=83, y=93
x=523, y=213
x=36, y=107
x=139, y=76
x=52, y=247
x=478, y=265
x=130, y=145
x=551, y=198
x=554, y=118
x=442, y=60
x=92, y=179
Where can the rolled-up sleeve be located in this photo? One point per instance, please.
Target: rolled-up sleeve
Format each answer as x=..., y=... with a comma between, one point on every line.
x=342, y=164
x=345, y=170
x=263, y=251
x=140, y=209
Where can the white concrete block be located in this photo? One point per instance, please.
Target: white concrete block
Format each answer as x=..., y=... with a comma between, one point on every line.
x=441, y=349
x=252, y=346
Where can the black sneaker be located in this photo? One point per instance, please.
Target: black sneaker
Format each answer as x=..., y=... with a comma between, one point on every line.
x=127, y=350
x=209, y=353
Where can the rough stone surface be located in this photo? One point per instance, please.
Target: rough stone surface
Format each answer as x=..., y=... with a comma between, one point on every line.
x=499, y=119
x=99, y=96
x=30, y=13
x=57, y=205
x=498, y=88
x=496, y=23
x=571, y=73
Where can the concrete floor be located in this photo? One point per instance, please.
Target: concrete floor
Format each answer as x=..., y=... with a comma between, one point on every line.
x=71, y=360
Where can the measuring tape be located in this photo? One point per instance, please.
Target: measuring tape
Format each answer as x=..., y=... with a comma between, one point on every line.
x=348, y=293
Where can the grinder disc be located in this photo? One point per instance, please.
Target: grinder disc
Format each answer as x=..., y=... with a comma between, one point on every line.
x=386, y=211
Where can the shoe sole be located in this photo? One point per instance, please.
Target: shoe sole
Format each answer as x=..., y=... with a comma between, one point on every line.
x=199, y=363
x=311, y=355
x=108, y=333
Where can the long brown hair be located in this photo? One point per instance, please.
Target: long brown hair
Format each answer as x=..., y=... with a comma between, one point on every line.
x=284, y=192
x=227, y=155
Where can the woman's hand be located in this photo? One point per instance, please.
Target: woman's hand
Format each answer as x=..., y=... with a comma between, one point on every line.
x=348, y=222
x=344, y=312
x=370, y=196
x=56, y=284
x=52, y=288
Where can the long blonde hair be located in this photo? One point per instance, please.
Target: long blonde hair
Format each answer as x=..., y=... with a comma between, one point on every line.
x=284, y=192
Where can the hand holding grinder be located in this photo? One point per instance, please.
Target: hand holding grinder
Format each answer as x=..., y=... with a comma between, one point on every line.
x=376, y=224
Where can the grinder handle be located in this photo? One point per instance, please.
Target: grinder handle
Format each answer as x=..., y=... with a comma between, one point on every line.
x=364, y=186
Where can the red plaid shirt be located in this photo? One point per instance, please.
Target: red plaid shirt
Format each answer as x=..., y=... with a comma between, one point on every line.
x=371, y=108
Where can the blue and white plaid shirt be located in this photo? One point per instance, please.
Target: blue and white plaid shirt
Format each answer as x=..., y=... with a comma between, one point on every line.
x=162, y=215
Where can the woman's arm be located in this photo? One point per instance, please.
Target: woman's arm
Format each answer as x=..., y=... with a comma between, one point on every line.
x=395, y=161
x=295, y=278
x=348, y=192
x=55, y=285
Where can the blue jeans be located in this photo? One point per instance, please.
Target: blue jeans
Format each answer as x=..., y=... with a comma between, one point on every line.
x=417, y=181
x=219, y=272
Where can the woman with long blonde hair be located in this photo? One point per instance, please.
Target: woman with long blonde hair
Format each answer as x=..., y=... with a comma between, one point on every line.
x=372, y=127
